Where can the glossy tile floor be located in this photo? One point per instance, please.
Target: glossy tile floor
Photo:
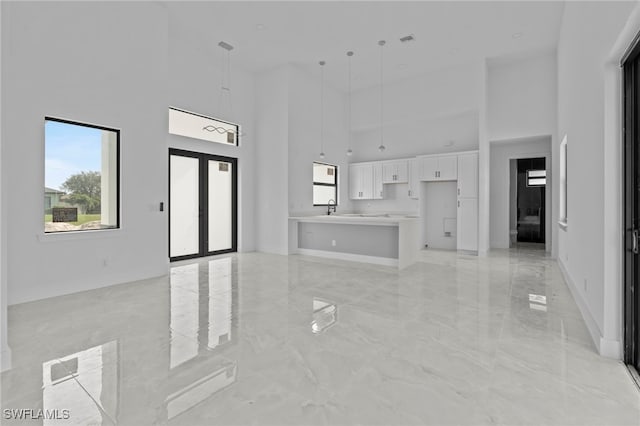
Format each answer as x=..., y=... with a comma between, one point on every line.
x=264, y=339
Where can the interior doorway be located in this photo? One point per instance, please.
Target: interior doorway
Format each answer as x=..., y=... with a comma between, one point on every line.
x=631, y=321
x=203, y=209
x=527, y=201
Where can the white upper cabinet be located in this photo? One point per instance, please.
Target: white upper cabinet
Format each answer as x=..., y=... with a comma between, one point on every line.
x=468, y=175
x=438, y=168
x=394, y=171
x=361, y=181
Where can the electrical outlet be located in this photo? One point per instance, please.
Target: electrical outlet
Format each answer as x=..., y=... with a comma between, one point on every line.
x=333, y=243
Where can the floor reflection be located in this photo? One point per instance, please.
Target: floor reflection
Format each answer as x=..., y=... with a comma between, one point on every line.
x=325, y=315
x=202, y=312
x=538, y=302
x=96, y=369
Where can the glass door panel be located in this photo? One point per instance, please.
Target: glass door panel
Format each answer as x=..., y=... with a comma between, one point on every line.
x=202, y=204
x=220, y=206
x=184, y=206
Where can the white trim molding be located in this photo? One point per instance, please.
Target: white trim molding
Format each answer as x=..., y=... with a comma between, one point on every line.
x=606, y=347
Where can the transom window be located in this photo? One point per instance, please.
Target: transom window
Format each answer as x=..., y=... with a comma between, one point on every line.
x=325, y=184
x=192, y=125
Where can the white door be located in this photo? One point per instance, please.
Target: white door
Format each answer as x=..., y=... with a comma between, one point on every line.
x=414, y=178
x=402, y=174
x=366, y=173
x=354, y=181
x=377, y=181
x=389, y=171
x=468, y=224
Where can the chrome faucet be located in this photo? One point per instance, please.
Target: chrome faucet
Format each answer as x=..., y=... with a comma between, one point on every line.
x=329, y=206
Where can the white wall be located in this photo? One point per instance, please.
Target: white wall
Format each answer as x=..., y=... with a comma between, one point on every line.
x=89, y=62
x=421, y=114
x=304, y=140
x=272, y=161
x=588, y=33
x=5, y=351
x=522, y=103
x=501, y=154
x=522, y=97
x=196, y=88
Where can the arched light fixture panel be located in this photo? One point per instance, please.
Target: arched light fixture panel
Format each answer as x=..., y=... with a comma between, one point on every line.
x=225, y=88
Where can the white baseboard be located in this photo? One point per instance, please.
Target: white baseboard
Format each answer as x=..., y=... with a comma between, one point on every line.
x=5, y=359
x=610, y=348
x=606, y=347
x=350, y=257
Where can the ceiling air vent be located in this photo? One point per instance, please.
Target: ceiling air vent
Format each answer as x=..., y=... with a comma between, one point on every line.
x=407, y=38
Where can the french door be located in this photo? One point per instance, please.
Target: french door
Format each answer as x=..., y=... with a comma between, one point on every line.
x=203, y=204
x=631, y=83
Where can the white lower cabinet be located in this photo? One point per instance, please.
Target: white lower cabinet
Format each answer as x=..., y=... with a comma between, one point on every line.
x=467, y=224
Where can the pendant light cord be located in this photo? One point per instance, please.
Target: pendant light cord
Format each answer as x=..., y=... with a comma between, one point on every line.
x=349, y=54
x=381, y=43
x=322, y=107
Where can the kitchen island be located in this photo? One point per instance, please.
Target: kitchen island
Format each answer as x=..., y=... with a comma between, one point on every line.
x=383, y=239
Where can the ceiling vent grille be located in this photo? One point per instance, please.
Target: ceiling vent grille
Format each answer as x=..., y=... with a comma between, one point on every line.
x=407, y=38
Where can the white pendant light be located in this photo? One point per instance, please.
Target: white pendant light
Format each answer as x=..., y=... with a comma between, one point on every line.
x=381, y=148
x=322, y=109
x=349, y=150
x=225, y=91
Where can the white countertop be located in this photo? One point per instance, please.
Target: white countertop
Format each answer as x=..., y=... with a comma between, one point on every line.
x=357, y=219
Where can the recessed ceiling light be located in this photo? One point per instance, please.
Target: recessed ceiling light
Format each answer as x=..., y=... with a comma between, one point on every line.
x=516, y=35
x=260, y=27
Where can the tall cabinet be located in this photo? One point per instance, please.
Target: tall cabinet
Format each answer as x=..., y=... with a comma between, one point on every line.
x=467, y=202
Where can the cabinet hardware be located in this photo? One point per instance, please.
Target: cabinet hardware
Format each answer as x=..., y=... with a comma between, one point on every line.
x=458, y=191
x=458, y=203
x=635, y=241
